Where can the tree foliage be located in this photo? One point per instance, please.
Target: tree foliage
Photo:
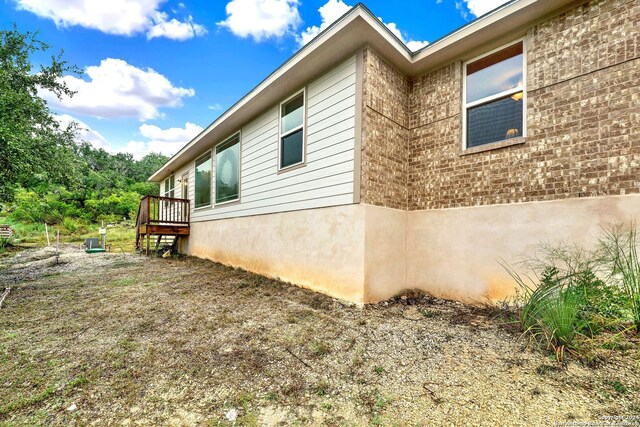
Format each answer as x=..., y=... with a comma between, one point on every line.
x=33, y=147
x=46, y=173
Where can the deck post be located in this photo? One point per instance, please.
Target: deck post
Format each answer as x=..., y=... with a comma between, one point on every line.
x=148, y=221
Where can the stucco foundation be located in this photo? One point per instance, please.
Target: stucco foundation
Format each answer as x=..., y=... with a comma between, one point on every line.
x=456, y=253
x=363, y=253
x=321, y=249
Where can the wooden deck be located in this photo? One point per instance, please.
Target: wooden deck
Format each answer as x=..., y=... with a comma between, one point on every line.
x=163, y=220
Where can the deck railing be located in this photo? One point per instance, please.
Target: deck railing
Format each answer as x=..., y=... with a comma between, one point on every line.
x=161, y=216
x=157, y=210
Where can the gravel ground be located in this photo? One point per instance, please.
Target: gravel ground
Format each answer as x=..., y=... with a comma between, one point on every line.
x=120, y=339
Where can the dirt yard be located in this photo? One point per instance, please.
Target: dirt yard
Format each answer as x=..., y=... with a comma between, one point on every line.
x=119, y=339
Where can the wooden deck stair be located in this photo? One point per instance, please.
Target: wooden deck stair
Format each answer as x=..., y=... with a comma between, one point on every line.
x=163, y=220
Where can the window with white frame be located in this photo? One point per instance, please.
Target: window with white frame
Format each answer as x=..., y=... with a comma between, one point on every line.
x=170, y=187
x=228, y=170
x=292, y=131
x=202, y=196
x=494, y=96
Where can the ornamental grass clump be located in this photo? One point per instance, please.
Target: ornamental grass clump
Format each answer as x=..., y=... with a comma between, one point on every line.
x=552, y=311
x=620, y=250
x=5, y=242
x=580, y=301
x=577, y=300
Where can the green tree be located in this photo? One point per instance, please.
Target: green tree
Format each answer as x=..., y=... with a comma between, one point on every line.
x=46, y=173
x=148, y=165
x=34, y=149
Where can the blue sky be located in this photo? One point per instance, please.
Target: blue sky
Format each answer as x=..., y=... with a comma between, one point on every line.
x=157, y=72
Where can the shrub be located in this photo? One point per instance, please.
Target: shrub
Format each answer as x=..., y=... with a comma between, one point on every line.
x=70, y=225
x=620, y=249
x=28, y=206
x=573, y=296
x=5, y=242
x=74, y=225
x=52, y=206
x=551, y=311
x=115, y=207
x=605, y=304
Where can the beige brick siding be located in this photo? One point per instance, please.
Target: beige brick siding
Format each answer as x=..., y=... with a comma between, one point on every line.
x=583, y=120
x=384, y=134
x=593, y=36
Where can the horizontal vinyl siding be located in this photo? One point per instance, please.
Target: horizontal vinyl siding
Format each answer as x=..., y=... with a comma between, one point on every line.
x=327, y=177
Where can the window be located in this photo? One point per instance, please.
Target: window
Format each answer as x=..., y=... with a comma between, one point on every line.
x=228, y=170
x=494, y=97
x=292, y=131
x=203, y=181
x=170, y=187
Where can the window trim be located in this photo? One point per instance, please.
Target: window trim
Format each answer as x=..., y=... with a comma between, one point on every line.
x=214, y=199
x=466, y=106
x=302, y=91
x=195, y=171
x=165, y=192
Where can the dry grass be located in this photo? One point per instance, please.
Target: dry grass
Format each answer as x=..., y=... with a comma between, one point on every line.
x=182, y=341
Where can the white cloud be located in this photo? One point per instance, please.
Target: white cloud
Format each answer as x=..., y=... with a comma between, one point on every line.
x=215, y=107
x=329, y=13
x=480, y=7
x=261, y=19
x=413, y=45
x=181, y=135
x=120, y=17
x=165, y=141
x=84, y=131
x=116, y=89
x=174, y=29
x=137, y=149
x=464, y=12
x=334, y=9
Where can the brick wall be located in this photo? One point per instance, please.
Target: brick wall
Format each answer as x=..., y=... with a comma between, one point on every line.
x=384, y=134
x=583, y=120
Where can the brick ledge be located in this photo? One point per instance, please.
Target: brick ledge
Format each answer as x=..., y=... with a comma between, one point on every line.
x=494, y=145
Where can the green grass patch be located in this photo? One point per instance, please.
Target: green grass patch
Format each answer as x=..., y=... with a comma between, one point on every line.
x=38, y=398
x=28, y=401
x=619, y=387
x=123, y=282
x=320, y=348
x=321, y=388
x=121, y=236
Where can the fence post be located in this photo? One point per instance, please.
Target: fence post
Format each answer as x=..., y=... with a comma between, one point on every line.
x=57, y=246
